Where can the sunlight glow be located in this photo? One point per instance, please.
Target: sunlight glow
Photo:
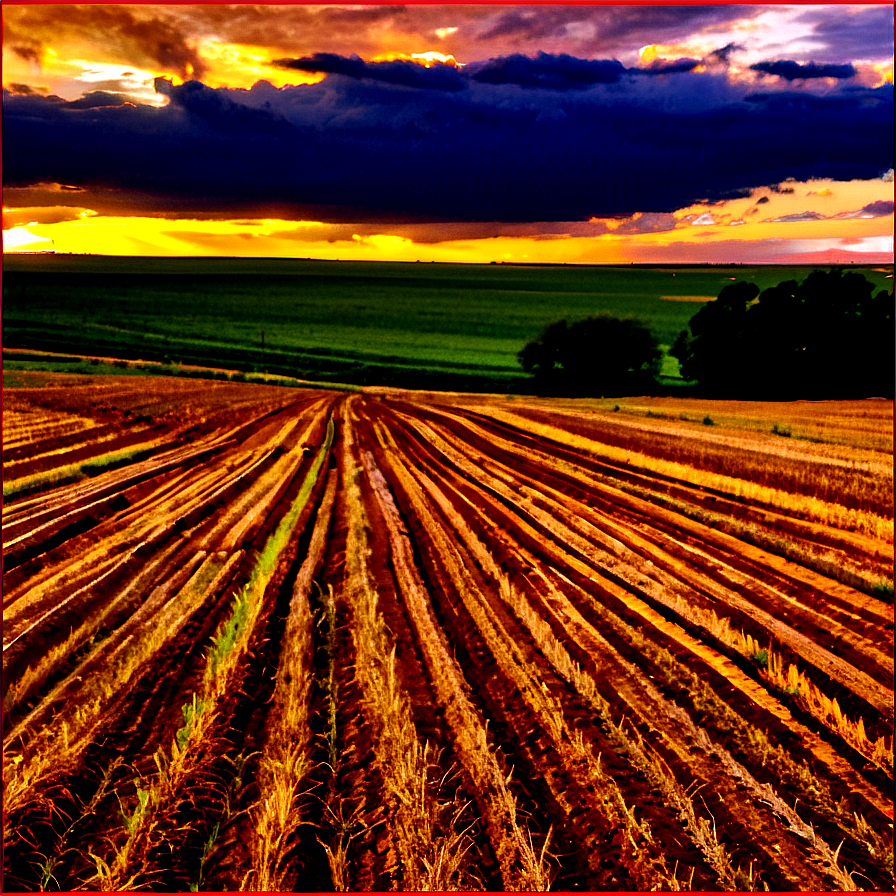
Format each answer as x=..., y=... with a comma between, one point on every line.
x=794, y=217
x=242, y=65
x=884, y=72
x=427, y=59
x=21, y=239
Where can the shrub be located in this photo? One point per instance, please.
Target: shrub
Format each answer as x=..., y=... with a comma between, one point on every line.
x=601, y=355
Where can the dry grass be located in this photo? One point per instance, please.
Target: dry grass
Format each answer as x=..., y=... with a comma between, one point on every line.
x=422, y=824
x=699, y=829
x=521, y=866
x=25, y=424
x=789, y=679
x=747, y=739
x=803, y=506
x=641, y=858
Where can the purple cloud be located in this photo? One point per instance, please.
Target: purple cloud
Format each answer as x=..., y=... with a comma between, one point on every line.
x=796, y=218
x=879, y=209
x=792, y=71
x=850, y=31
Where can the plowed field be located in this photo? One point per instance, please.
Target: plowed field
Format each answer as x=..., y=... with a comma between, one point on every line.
x=264, y=639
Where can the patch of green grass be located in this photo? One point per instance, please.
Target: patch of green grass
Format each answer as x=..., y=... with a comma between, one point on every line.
x=73, y=472
x=782, y=429
x=93, y=367
x=143, y=796
x=377, y=323
x=191, y=712
x=228, y=632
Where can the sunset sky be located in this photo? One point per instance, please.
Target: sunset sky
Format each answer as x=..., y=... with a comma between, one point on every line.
x=451, y=132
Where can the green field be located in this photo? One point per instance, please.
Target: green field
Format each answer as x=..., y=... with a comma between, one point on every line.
x=413, y=325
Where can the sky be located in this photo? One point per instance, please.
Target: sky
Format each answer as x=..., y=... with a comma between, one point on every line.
x=546, y=133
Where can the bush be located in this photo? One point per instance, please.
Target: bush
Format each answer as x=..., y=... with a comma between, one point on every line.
x=601, y=355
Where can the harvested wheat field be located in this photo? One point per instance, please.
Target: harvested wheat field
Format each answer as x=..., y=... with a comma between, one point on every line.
x=263, y=638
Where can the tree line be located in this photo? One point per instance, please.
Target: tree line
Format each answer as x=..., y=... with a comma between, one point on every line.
x=830, y=336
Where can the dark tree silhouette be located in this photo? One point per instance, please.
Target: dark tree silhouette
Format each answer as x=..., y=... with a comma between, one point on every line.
x=830, y=336
x=602, y=355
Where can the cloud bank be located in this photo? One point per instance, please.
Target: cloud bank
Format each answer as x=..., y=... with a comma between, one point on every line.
x=545, y=138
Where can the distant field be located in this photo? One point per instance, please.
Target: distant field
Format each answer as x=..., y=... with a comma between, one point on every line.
x=414, y=325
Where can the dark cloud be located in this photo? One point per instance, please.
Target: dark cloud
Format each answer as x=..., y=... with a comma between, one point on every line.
x=52, y=214
x=583, y=30
x=297, y=29
x=360, y=148
x=402, y=72
x=27, y=90
x=649, y=223
x=97, y=99
x=723, y=55
x=793, y=71
x=554, y=72
x=879, y=209
x=29, y=52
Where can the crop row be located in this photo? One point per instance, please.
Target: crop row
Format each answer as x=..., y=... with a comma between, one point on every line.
x=353, y=643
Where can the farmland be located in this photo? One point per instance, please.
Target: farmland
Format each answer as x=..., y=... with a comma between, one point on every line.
x=259, y=638
x=437, y=326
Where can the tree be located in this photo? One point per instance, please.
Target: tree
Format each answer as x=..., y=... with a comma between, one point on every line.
x=601, y=355
x=828, y=337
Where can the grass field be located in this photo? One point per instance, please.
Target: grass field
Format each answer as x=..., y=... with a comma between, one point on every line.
x=414, y=325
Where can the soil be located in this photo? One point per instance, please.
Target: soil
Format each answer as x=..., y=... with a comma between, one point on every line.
x=653, y=753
